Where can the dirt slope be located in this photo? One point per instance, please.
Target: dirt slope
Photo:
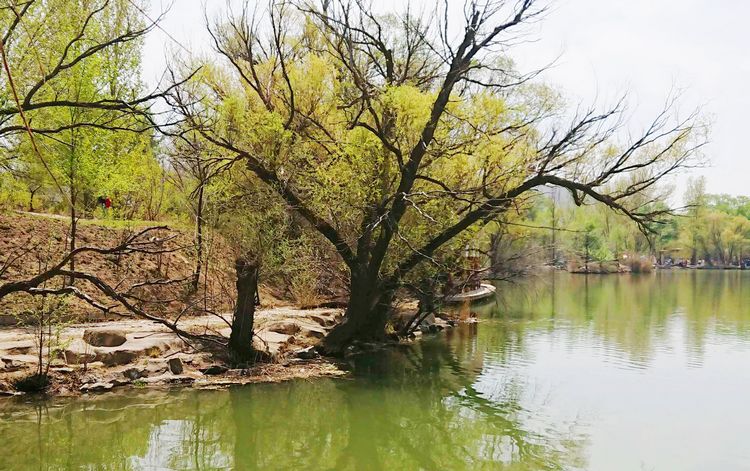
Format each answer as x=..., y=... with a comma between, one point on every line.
x=41, y=241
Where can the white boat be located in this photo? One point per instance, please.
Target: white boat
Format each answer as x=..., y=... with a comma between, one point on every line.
x=485, y=290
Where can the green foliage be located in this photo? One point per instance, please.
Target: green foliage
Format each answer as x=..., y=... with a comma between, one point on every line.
x=87, y=151
x=12, y=191
x=712, y=228
x=46, y=321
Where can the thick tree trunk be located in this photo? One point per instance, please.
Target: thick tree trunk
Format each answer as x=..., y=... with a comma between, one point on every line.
x=366, y=315
x=241, y=338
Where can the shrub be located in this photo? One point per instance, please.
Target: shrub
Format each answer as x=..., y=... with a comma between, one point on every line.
x=33, y=383
x=640, y=265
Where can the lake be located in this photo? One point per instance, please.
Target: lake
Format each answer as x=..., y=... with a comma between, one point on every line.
x=563, y=372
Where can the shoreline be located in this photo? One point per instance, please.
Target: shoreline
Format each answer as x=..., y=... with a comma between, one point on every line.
x=136, y=354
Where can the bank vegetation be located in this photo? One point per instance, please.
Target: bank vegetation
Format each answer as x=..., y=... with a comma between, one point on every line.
x=338, y=154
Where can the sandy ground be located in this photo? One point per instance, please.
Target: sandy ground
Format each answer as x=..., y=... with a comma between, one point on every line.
x=151, y=354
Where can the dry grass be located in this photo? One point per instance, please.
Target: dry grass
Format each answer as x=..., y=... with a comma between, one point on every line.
x=41, y=241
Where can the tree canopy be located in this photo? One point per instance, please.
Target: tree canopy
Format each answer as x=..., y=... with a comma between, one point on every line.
x=397, y=140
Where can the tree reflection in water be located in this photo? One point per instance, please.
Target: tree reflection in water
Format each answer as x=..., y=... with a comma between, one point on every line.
x=508, y=393
x=411, y=408
x=471, y=398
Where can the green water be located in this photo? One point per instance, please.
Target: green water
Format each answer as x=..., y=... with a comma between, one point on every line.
x=644, y=372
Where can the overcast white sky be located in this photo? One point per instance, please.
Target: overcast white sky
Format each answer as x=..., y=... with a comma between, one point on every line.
x=606, y=48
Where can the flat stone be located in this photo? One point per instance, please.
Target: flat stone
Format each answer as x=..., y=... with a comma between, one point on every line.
x=133, y=374
x=62, y=369
x=9, y=365
x=428, y=321
x=288, y=328
x=96, y=387
x=308, y=353
x=272, y=337
x=73, y=357
x=116, y=357
x=152, y=346
x=316, y=333
x=324, y=321
x=88, y=379
x=23, y=348
x=6, y=389
x=169, y=379
x=215, y=370
x=102, y=337
x=175, y=366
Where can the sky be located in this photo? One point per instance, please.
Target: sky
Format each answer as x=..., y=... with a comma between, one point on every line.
x=601, y=50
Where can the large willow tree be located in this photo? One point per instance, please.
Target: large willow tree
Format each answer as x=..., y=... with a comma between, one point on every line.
x=398, y=136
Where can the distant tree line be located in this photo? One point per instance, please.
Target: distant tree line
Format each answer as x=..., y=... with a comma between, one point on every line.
x=711, y=229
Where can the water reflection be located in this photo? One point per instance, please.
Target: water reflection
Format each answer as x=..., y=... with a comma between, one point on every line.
x=629, y=318
x=569, y=373
x=413, y=408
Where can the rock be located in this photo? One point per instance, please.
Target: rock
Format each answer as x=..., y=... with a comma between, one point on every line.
x=324, y=321
x=288, y=328
x=78, y=358
x=133, y=374
x=23, y=349
x=175, y=366
x=214, y=370
x=314, y=333
x=117, y=357
x=62, y=369
x=428, y=321
x=151, y=346
x=104, y=337
x=267, y=337
x=308, y=353
x=428, y=329
x=88, y=379
x=6, y=389
x=181, y=380
x=8, y=365
x=271, y=343
x=167, y=378
x=96, y=387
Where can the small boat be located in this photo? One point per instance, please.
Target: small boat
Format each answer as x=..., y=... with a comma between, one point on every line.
x=484, y=291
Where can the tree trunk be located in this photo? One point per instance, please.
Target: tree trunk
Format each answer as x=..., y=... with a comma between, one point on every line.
x=198, y=239
x=73, y=235
x=32, y=193
x=366, y=315
x=241, y=338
